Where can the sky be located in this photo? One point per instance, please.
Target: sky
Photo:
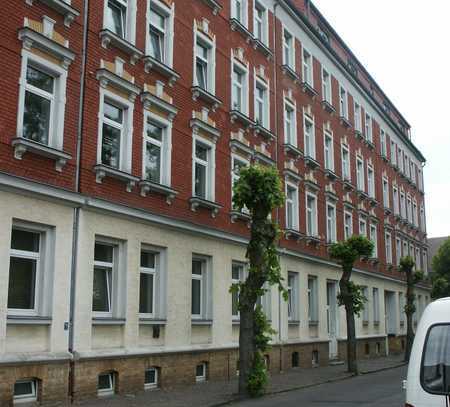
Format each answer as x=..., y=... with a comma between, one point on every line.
x=405, y=46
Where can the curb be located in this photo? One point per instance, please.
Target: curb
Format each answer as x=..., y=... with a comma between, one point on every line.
x=307, y=386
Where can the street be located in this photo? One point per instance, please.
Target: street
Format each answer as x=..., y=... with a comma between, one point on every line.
x=376, y=389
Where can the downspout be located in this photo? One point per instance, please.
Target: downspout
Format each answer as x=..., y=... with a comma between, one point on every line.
x=76, y=215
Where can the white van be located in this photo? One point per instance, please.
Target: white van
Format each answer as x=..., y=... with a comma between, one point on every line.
x=428, y=383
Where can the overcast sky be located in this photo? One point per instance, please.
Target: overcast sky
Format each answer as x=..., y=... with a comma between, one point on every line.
x=405, y=46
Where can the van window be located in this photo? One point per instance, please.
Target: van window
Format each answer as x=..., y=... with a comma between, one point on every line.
x=435, y=371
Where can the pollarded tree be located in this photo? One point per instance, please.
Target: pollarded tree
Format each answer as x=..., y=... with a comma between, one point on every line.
x=346, y=253
x=407, y=265
x=259, y=190
x=441, y=271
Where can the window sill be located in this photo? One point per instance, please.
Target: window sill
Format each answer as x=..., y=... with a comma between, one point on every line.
x=108, y=321
x=202, y=322
x=61, y=7
x=374, y=261
x=292, y=175
x=106, y=77
x=293, y=234
x=370, y=144
x=236, y=322
x=313, y=240
x=348, y=185
x=362, y=194
x=384, y=157
x=152, y=321
x=365, y=323
x=313, y=323
x=200, y=125
x=308, y=89
x=293, y=150
x=108, y=38
x=328, y=107
x=28, y=320
x=238, y=215
x=265, y=159
x=311, y=162
x=345, y=122
x=289, y=71
x=215, y=6
x=263, y=48
x=376, y=323
x=149, y=100
x=263, y=131
x=205, y=96
x=102, y=171
x=237, y=145
x=34, y=39
x=387, y=211
x=331, y=196
x=331, y=175
x=238, y=116
x=196, y=202
x=236, y=25
x=293, y=322
x=358, y=134
x=22, y=145
x=372, y=201
x=152, y=64
x=148, y=186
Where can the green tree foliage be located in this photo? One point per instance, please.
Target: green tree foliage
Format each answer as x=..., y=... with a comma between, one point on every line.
x=346, y=253
x=259, y=190
x=441, y=271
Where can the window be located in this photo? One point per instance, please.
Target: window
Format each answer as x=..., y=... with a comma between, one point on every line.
x=25, y=267
x=398, y=250
x=326, y=86
x=313, y=303
x=237, y=276
x=425, y=261
x=201, y=304
x=417, y=258
x=261, y=104
x=374, y=240
x=402, y=204
x=388, y=245
x=103, y=279
x=376, y=305
x=239, y=90
x=157, y=34
x=422, y=219
x=151, y=378
x=116, y=17
x=346, y=173
x=365, y=313
x=239, y=11
x=311, y=215
x=288, y=50
x=310, y=139
x=348, y=225
x=201, y=65
x=157, y=146
x=435, y=366
x=405, y=249
x=292, y=207
x=237, y=164
x=290, y=123
x=25, y=391
x=343, y=102
x=260, y=22
x=331, y=223
x=360, y=174
x=307, y=68
x=149, y=281
x=368, y=128
x=112, y=135
x=203, y=170
x=329, y=151
x=200, y=372
x=370, y=181
x=401, y=160
x=401, y=303
x=362, y=226
x=409, y=209
x=106, y=384
x=386, y=202
x=393, y=153
x=396, y=200
x=383, y=143
x=292, y=289
x=358, y=120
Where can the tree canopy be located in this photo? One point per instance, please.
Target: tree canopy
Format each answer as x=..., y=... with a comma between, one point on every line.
x=441, y=271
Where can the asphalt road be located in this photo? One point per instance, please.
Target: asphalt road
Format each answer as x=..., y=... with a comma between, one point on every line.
x=370, y=390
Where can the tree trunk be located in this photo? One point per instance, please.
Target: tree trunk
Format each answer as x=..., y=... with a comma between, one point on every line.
x=246, y=347
x=352, y=363
x=409, y=314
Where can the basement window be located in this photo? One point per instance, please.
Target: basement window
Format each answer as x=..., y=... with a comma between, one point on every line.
x=106, y=384
x=25, y=391
x=151, y=378
x=200, y=372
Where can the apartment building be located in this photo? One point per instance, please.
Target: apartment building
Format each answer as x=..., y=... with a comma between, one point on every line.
x=124, y=126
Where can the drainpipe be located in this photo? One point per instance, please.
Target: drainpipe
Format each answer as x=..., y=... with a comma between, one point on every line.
x=76, y=214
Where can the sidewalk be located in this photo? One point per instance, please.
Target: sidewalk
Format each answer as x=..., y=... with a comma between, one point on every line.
x=220, y=392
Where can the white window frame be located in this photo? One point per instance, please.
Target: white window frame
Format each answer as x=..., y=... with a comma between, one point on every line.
x=423, y=227
x=415, y=213
x=210, y=45
x=409, y=213
x=168, y=13
x=376, y=304
x=396, y=199
x=130, y=21
x=201, y=378
x=57, y=114
x=27, y=398
x=360, y=176
x=368, y=130
x=293, y=297
x=111, y=291
x=327, y=91
x=348, y=227
x=235, y=176
x=328, y=154
x=373, y=229
x=313, y=300
x=258, y=83
x=165, y=146
x=210, y=165
x=386, y=200
x=398, y=250
x=365, y=311
x=242, y=277
x=403, y=204
x=331, y=222
x=288, y=49
x=370, y=180
x=346, y=164
x=313, y=212
x=155, y=384
x=295, y=206
x=343, y=102
x=311, y=144
x=158, y=281
x=111, y=390
x=307, y=67
x=358, y=116
x=290, y=109
x=264, y=22
x=383, y=143
x=205, y=288
x=393, y=153
x=126, y=142
x=244, y=11
x=425, y=261
x=401, y=303
x=237, y=65
x=362, y=226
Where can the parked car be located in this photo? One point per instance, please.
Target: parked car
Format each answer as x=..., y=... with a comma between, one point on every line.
x=428, y=383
